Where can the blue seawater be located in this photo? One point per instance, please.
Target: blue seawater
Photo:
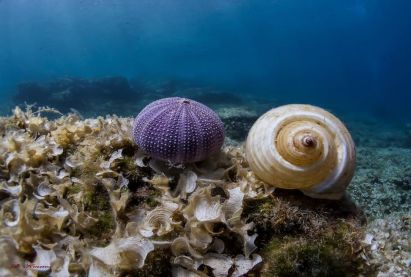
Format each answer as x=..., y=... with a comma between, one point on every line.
x=351, y=56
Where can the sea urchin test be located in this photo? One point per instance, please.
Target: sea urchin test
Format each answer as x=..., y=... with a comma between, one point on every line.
x=302, y=147
x=178, y=130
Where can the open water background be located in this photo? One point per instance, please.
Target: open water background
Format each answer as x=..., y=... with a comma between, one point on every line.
x=352, y=57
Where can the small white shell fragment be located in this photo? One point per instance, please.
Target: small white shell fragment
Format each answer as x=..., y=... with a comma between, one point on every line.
x=186, y=183
x=203, y=207
x=249, y=245
x=368, y=239
x=124, y=251
x=185, y=261
x=42, y=191
x=158, y=221
x=302, y=147
x=208, y=209
x=45, y=258
x=11, y=213
x=14, y=190
x=220, y=263
x=199, y=236
x=114, y=156
x=57, y=215
x=244, y=265
x=181, y=246
x=62, y=174
x=71, y=164
x=56, y=150
x=233, y=207
x=97, y=270
x=248, y=240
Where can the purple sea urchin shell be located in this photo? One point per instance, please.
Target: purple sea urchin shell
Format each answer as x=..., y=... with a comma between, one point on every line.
x=179, y=130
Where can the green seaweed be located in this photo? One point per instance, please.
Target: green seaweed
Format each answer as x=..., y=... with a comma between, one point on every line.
x=300, y=236
x=97, y=202
x=76, y=188
x=334, y=253
x=152, y=202
x=128, y=167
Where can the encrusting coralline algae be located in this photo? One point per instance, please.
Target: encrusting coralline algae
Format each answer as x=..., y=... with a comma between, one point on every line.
x=78, y=197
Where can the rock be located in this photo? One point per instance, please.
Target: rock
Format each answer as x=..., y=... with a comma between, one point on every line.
x=75, y=93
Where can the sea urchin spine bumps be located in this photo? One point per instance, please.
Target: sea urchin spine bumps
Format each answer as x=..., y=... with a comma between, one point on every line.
x=178, y=130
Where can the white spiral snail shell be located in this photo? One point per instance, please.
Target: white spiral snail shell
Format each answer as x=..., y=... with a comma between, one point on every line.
x=302, y=147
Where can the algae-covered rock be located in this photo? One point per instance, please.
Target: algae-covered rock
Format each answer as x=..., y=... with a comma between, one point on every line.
x=82, y=94
x=300, y=236
x=330, y=255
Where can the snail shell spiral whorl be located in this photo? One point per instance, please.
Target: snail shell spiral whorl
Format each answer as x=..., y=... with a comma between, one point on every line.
x=302, y=147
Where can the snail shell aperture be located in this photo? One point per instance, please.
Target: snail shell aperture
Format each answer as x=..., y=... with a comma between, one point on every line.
x=302, y=147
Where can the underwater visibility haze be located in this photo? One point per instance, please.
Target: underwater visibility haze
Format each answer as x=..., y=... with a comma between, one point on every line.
x=334, y=53
x=82, y=191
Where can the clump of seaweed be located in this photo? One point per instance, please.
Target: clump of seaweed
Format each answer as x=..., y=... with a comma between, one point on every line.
x=78, y=197
x=329, y=255
x=64, y=180
x=301, y=237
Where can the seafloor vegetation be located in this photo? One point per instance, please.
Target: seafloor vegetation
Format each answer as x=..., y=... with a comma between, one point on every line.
x=78, y=197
